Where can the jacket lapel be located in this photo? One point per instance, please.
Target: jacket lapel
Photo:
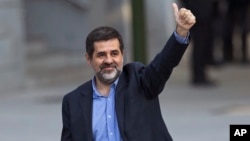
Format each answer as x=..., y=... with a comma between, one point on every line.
x=119, y=104
x=86, y=102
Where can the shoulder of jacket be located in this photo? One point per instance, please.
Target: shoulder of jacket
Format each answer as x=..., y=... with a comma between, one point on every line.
x=78, y=90
x=133, y=65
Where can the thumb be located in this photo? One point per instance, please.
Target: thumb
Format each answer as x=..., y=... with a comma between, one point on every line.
x=175, y=8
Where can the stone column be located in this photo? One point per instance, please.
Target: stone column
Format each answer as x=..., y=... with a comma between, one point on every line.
x=12, y=51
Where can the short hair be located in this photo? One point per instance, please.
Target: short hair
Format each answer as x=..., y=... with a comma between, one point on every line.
x=99, y=34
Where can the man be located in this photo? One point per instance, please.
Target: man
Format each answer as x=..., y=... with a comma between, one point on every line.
x=121, y=102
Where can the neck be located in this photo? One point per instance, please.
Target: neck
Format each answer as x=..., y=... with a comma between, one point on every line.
x=102, y=88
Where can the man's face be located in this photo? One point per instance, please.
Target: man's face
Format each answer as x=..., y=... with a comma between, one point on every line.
x=107, y=60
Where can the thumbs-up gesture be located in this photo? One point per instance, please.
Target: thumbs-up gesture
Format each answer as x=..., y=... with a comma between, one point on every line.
x=184, y=19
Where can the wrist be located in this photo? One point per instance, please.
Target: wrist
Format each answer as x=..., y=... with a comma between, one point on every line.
x=181, y=31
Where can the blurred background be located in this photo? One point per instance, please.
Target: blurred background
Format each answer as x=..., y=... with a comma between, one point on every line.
x=42, y=47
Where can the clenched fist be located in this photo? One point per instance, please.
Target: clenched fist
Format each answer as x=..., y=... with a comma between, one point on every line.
x=184, y=19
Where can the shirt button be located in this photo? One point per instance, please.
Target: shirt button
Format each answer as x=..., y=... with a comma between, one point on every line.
x=111, y=134
x=109, y=116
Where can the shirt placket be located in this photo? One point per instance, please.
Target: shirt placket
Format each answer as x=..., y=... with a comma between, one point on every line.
x=110, y=116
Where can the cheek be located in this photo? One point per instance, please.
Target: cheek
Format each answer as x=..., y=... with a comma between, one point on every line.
x=96, y=65
x=120, y=63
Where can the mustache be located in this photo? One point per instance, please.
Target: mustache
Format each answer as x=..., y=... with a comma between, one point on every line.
x=106, y=65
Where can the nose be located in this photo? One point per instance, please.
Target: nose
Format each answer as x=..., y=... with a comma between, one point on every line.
x=108, y=59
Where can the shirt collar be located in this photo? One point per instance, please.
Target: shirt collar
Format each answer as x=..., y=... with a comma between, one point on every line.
x=96, y=94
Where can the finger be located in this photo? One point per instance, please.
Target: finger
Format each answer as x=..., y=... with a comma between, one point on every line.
x=175, y=8
x=192, y=20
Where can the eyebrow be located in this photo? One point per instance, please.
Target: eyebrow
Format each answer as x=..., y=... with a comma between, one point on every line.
x=110, y=51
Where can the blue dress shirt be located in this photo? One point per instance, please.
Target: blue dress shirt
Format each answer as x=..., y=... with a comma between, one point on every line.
x=180, y=39
x=104, y=123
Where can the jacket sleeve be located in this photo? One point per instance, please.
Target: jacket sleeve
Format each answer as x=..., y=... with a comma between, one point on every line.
x=66, y=131
x=154, y=75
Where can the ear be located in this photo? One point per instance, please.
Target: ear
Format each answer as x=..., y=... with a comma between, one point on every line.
x=123, y=55
x=123, y=51
x=88, y=58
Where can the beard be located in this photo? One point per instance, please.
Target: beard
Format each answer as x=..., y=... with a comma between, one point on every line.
x=108, y=76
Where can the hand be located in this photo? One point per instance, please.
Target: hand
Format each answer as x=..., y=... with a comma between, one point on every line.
x=184, y=19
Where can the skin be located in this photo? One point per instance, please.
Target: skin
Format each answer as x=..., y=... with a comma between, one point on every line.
x=108, y=51
x=184, y=19
x=107, y=59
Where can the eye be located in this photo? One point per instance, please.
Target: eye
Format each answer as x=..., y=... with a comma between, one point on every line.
x=115, y=53
x=101, y=54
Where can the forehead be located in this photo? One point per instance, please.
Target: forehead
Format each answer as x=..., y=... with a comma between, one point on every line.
x=107, y=45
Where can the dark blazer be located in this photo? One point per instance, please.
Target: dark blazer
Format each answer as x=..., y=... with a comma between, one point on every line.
x=136, y=100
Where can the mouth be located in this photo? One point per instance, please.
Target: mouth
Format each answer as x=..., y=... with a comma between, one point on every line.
x=108, y=68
